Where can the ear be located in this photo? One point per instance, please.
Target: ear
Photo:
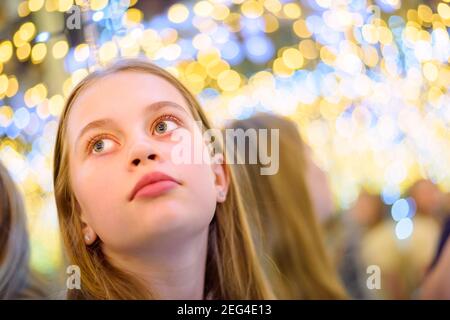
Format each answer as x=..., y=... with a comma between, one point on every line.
x=222, y=178
x=89, y=235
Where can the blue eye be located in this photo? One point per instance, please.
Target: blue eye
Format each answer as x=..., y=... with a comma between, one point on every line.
x=165, y=126
x=101, y=146
x=98, y=146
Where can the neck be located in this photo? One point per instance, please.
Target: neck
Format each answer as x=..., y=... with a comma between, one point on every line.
x=175, y=271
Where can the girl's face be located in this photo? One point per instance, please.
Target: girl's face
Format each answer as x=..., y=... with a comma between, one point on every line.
x=130, y=191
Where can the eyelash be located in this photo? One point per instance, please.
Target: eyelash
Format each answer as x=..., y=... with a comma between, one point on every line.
x=94, y=139
x=166, y=117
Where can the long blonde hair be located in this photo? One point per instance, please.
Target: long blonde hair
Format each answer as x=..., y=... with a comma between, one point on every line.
x=297, y=262
x=232, y=271
x=16, y=279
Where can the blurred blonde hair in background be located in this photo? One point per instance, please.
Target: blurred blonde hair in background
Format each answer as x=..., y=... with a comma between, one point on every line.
x=298, y=266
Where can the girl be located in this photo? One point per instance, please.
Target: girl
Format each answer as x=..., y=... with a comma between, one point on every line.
x=136, y=223
x=16, y=280
x=300, y=267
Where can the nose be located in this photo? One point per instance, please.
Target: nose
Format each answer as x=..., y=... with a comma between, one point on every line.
x=140, y=153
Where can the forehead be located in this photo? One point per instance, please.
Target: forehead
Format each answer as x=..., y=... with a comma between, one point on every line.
x=120, y=94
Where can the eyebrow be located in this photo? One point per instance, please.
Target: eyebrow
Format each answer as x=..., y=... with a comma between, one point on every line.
x=105, y=122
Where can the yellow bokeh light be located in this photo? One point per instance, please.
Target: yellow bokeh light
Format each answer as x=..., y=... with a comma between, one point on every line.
x=203, y=8
x=17, y=40
x=22, y=9
x=229, y=80
x=41, y=91
x=410, y=33
x=252, y=9
x=425, y=13
x=327, y=55
x=98, y=4
x=133, y=16
x=67, y=87
x=292, y=10
x=233, y=22
x=280, y=68
x=13, y=87
x=411, y=15
x=424, y=35
x=178, y=13
x=293, y=58
x=434, y=94
x=6, y=51
x=78, y=75
x=3, y=84
x=385, y=35
x=208, y=56
x=196, y=68
x=27, y=31
x=64, y=5
x=273, y=6
x=444, y=10
x=60, y=49
x=214, y=69
x=38, y=52
x=308, y=49
x=194, y=82
x=35, y=95
x=35, y=5
x=107, y=52
x=430, y=71
x=6, y=116
x=51, y=5
x=56, y=105
x=23, y=52
x=301, y=29
x=220, y=12
x=270, y=23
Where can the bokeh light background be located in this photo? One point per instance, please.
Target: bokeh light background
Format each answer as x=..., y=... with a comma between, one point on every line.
x=367, y=82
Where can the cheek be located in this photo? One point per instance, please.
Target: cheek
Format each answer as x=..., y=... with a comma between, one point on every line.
x=197, y=174
x=97, y=191
x=199, y=179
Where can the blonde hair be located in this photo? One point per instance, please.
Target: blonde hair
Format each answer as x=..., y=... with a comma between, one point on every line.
x=232, y=271
x=16, y=279
x=298, y=264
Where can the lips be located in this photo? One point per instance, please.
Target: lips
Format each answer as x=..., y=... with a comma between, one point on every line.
x=153, y=185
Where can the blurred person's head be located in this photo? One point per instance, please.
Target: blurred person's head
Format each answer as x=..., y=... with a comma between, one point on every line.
x=447, y=202
x=317, y=183
x=292, y=239
x=368, y=209
x=16, y=280
x=427, y=197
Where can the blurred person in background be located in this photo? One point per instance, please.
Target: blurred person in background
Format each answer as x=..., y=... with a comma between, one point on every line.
x=17, y=281
x=299, y=266
x=345, y=232
x=433, y=203
x=436, y=283
x=404, y=259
